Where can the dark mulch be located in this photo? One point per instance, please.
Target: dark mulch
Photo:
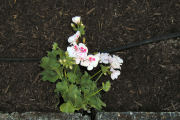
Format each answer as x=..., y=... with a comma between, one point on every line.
x=150, y=78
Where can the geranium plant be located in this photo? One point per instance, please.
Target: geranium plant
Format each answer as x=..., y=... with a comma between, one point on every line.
x=79, y=88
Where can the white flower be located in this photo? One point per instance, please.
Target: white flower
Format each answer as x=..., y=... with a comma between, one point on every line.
x=91, y=61
x=115, y=62
x=104, y=58
x=73, y=50
x=79, y=52
x=72, y=39
x=83, y=50
x=97, y=55
x=76, y=19
x=82, y=54
x=114, y=74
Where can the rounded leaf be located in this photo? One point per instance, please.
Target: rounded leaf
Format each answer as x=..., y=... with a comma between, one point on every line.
x=106, y=86
x=67, y=108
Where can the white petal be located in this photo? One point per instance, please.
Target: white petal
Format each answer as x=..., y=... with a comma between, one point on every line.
x=78, y=33
x=77, y=60
x=112, y=69
x=115, y=65
x=89, y=67
x=97, y=55
x=85, y=63
x=115, y=74
x=72, y=39
x=71, y=52
x=104, y=58
x=83, y=46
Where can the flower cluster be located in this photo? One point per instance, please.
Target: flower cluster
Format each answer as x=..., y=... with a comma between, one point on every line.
x=79, y=52
x=115, y=64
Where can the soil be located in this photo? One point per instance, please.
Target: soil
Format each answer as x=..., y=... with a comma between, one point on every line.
x=150, y=75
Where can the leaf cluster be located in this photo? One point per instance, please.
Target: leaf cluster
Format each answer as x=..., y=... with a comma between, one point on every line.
x=77, y=88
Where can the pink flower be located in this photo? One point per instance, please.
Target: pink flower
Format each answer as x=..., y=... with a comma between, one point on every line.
x=72, y=39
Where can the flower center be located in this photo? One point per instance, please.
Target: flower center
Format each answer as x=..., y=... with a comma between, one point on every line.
x=77, y=36
x=83, y=49
x=76, y=48
x=91, y=59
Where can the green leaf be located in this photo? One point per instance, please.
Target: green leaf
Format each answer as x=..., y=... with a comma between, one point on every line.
x=74, y=91
x=59, y=71
x=85, y=77
x=75, y=29
x=60, y=52
x=44, y=62
x=50, y=62
x=71, y=77
x=78, y=102
x=76, y=70
x=87, y=85
x=81, y=29
x=106, y=86
x=55, y=46
x=73, y=94
x=105, y=69
x=49, y=75
x=67, y=108
x=96, y=102
x=62, y=87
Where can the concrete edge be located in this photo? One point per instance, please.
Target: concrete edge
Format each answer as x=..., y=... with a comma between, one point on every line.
x=138, y=116
x=99, y=116
x=42, y=116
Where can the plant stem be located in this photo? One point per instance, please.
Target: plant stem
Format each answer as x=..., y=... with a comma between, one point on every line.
x=95, y=92
x=65, y=73
x=75, y=69
x=95, y=74
x=99, y=77
x=59, y=74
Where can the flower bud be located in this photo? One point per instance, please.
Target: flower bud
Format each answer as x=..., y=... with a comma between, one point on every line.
x=70, y=67
x=72, y=25
x=66, y=53
x=76, y=19
x=60, y=61
x=84, y=40
x=64, y=60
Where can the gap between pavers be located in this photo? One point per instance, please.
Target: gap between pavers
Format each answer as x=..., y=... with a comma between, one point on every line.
x=99, y=116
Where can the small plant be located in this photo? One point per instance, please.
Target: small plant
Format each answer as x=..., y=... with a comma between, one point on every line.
x=78, y=88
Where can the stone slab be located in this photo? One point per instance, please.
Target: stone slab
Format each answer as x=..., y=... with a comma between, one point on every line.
x=138, y=116
x=42, y=116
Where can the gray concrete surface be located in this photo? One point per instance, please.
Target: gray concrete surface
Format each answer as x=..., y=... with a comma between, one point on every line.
x=138, y=116
x=42, y=116
x=99, y=116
